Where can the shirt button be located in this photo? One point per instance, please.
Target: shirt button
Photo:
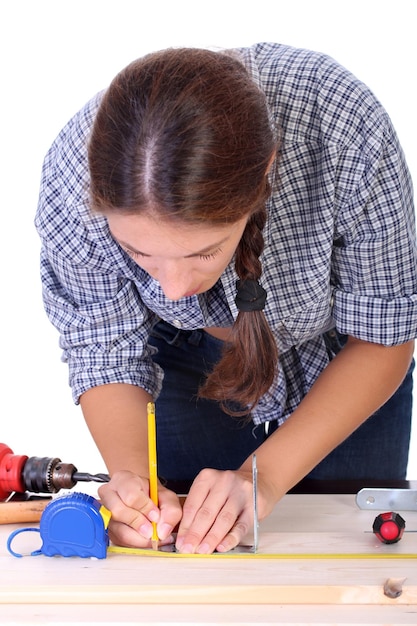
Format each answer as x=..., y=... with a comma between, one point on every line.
x=177, y=323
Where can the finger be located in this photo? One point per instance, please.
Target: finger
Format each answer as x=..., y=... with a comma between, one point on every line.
x=171, y=513
x=127, y=515
x=133, y=491
x=229, y=527
x=210, y=488
x=234, y=537
x=122, y=535
x=229, y=500
x=126, y=496
x=202, y=509
x=219, y=514
x=126, y=500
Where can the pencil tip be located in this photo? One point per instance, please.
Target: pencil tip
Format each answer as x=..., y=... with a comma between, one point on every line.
x=155, y=544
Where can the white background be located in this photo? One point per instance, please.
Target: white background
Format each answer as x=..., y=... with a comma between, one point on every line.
x=54, y=56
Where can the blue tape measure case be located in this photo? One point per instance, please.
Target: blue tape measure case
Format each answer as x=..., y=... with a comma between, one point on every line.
x=72, y=525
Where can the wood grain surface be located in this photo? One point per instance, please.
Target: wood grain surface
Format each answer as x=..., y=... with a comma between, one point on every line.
x=320, y=525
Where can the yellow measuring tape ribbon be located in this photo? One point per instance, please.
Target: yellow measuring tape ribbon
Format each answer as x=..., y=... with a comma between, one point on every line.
x=257, y=555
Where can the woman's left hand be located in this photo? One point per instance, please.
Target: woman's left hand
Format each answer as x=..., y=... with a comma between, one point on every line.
x=218, y=511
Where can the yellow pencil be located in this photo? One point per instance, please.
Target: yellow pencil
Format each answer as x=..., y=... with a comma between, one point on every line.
x=153, y=468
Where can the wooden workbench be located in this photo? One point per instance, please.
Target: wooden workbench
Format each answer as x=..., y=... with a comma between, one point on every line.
x=147, y=590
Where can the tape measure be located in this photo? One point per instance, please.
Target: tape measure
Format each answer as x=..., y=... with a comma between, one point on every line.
x=71, y=525
x=259, y=555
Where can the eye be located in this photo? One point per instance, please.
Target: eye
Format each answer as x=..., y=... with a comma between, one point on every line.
x=134, y=254
x=212, y=255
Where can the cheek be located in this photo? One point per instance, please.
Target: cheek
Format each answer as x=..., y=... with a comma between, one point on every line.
x=216, y=269
x=214, y=266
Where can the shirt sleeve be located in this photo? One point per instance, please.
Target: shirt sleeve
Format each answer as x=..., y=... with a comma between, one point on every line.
x=104, y=339
x=89, y=289
x=374, y=263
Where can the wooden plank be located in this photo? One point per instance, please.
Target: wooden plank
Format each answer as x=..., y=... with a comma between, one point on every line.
x=122, y=578
x=207, y=614
x=200, y=594
x=299, y=524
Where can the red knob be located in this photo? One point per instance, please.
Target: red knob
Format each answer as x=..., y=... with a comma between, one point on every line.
x=389, y=527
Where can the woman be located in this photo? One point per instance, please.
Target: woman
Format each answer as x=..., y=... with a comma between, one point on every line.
x=232, y=233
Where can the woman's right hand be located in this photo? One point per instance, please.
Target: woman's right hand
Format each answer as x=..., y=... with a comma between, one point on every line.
x=126, y=495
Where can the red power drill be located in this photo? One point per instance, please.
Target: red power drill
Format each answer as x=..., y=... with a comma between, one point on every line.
x=19, y=474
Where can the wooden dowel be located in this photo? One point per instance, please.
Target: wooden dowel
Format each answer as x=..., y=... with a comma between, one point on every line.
x=15, y=512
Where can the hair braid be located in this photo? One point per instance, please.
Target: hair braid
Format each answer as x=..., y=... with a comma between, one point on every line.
x=247, y=368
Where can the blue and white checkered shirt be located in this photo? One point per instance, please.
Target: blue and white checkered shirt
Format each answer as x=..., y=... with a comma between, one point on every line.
x=340, y=240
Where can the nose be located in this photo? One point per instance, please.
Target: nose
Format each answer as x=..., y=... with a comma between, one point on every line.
x=174, y=281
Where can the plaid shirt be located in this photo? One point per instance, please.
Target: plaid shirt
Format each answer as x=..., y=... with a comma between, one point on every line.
x=340, y=240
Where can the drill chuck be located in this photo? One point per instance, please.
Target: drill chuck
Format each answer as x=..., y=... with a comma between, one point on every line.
x=47, y=475
x=20, y=473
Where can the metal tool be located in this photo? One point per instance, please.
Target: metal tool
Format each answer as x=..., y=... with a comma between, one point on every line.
x=20, y=473
x=387, y=499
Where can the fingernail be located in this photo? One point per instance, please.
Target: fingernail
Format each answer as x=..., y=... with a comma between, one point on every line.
x=146, y=531
x=187, y=549
x=179, y=542
x=164, y=530
x=169, y=540
x=153, y=515
x=203, y=549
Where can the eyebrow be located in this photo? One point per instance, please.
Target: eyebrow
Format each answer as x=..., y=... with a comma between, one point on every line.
x=205, y=250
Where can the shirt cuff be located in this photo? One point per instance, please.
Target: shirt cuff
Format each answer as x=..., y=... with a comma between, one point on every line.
x=384, y=321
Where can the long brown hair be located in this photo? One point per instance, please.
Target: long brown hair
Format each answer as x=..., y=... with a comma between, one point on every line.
x=185, y=134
